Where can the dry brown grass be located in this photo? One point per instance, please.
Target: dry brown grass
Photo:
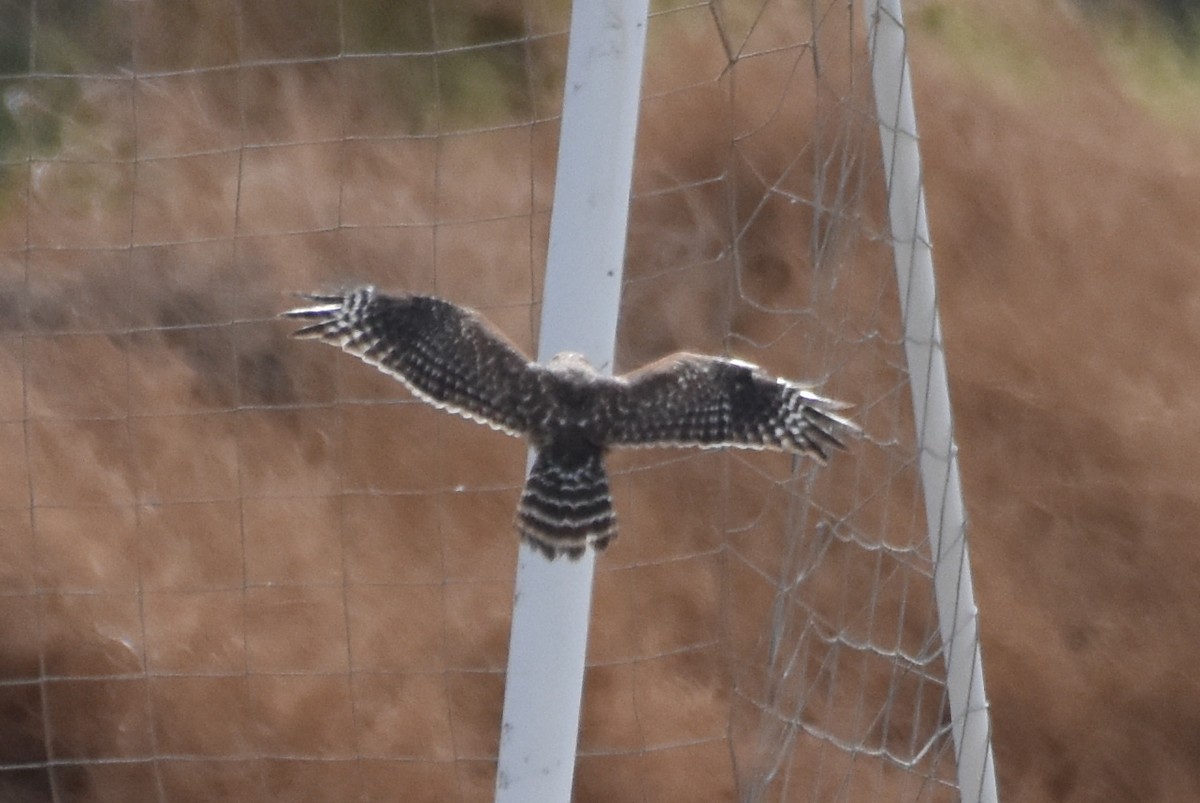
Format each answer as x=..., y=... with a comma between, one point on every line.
x=218, y=543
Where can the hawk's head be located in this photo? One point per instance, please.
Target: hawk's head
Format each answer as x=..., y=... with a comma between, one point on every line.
x=572, y=364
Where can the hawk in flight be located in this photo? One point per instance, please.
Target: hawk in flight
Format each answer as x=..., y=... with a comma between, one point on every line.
x=571, y=414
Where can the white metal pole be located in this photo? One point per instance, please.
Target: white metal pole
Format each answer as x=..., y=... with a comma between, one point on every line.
x=957, y=614
x=551, y=606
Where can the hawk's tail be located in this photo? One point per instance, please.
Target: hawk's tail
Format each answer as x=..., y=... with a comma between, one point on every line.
x=566, y=504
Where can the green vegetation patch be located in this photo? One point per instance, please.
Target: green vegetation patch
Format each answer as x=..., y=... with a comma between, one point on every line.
x=1157, y=60
x=482, y=70
x=985, y=45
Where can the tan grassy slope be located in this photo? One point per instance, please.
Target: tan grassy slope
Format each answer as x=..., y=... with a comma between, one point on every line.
x=227, y=561
x=1064, y=211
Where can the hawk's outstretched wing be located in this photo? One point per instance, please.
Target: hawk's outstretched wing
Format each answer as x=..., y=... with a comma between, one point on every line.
x=445, y=354
x=692, y=400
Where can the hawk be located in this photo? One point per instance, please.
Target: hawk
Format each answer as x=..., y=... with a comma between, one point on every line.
x=571, y=414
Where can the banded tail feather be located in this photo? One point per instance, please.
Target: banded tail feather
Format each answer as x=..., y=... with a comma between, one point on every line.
x=566, y=505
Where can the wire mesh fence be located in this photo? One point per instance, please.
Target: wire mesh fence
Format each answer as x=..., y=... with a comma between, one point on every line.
x=240, y=567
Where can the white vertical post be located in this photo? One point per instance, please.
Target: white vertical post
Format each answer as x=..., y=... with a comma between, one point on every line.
x=957, y=615
x=551, y=606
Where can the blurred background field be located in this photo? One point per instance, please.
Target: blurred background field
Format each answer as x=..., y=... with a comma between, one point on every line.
x=237, y=567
